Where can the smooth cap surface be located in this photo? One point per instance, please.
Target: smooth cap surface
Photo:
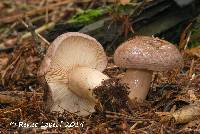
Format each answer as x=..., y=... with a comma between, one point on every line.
x=143, y=52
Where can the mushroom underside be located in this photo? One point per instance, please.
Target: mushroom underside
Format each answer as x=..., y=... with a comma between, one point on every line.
x=76, y=95
x=64, y=99
x=72, y=68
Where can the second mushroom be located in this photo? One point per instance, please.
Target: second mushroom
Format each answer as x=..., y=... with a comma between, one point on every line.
x=141, y=56
x=72, y=68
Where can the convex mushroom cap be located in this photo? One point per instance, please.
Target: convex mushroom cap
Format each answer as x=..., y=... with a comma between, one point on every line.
x=143, y=52
x=70, y=66
x=142, y=55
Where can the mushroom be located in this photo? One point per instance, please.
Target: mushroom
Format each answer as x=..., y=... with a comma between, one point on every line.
x=72, y=68
x=141, y=56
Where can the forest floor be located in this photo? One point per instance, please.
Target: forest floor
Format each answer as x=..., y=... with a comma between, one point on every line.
x=21, y=94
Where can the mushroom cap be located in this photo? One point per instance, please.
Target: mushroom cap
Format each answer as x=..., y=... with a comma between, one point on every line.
x=70, y=50
x=143, y=52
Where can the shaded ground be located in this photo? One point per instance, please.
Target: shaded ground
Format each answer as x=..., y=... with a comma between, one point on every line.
x=114, y=112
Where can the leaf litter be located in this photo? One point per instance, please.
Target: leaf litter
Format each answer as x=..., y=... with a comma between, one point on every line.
x=172, y=105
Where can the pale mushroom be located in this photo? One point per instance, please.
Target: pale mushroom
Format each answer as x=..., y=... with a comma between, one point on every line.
x=141, y=56
x=72, y=68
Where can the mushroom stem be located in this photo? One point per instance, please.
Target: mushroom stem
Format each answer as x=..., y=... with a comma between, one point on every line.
x=138, y=80
x=83, y=79
x=77, y=96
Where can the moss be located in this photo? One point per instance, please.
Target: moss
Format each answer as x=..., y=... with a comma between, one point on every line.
x=87, y=16
x=121, y=9
x=90, y=15
x=195, y=34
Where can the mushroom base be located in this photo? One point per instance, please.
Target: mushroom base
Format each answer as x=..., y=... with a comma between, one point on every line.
x=139, y=82
x=64, y=99
x=75, y=94
x=83, y=79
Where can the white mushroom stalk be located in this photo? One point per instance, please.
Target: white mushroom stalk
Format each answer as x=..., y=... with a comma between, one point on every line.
x=139, y=80
x=73, y=67
x=141, y=56
x=86, y=79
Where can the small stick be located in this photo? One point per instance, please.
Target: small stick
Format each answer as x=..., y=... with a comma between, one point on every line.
x=134, y=125
x=35, y=11
x=184, y=38
x=190, y=73
x=191, y=68
x=35, y=36
x=120, y=116
x=187, y=40
x=47, y=12
x=10, y=99
x=37, y=31
x=20, y=93
x=9, y=67
x=12, y=111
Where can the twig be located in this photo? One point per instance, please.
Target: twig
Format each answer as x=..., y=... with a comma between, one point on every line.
x=42, y=28
x=35, y=11
x=144, y=129
x=11, y=111
x=120, y=116
x=134, y=125
x=37, y=31
x=9, y=67
x=190, y=73
x=9, y=99
x=184, y=38
x=191, y=68
x=21, y=93
x=47, y=12
x=35, y=36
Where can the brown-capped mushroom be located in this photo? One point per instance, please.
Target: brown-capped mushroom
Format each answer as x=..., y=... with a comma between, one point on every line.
x=72, y=68
x=141, y=56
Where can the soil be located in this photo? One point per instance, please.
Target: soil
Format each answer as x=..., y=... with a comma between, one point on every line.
x=22, y=105
x=115, y=113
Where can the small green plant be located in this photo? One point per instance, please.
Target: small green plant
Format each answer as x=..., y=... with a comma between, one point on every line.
x=87, y=16
x=195, y=34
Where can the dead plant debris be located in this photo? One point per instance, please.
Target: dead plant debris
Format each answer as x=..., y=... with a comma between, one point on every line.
x=172, y=105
